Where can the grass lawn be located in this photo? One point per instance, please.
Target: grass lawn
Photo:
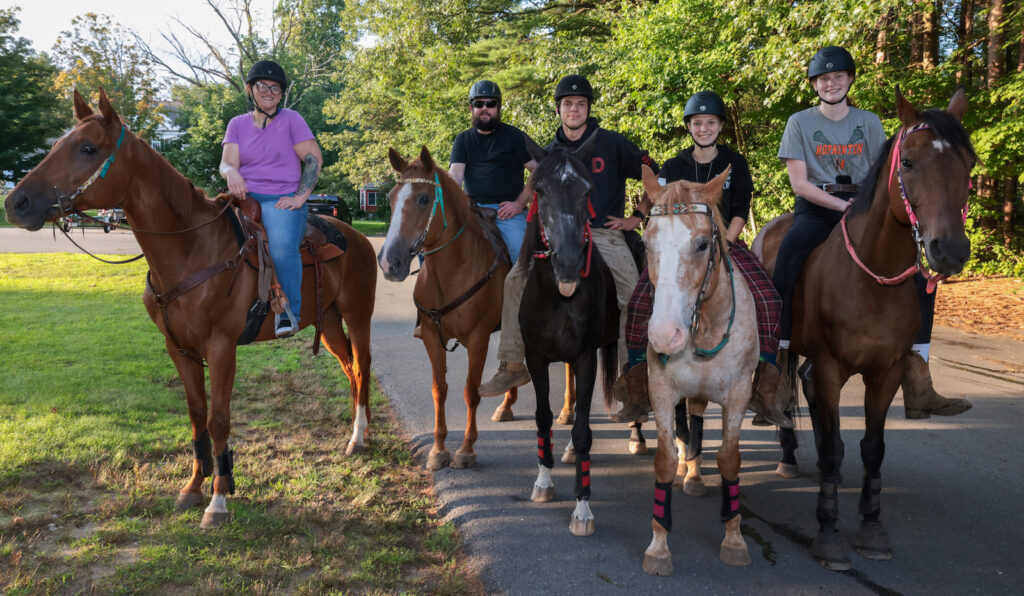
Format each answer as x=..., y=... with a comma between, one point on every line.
x=94, y=446
x=371, y=227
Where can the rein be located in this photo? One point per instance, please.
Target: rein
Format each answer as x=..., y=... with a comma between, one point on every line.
x=546, y=253
x=895, y=166
x=716, y=239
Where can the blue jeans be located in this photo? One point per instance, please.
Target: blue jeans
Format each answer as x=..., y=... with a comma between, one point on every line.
x=512, y=230
x=285, y=229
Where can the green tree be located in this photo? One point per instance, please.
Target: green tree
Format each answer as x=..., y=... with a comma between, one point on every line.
x=97, y=53
x=29, y=117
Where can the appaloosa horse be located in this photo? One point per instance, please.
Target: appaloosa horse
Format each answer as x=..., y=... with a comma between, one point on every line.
x=569, y=310
x=856, y=309
x=458, y=291
x=187, y=239
x=703, y=345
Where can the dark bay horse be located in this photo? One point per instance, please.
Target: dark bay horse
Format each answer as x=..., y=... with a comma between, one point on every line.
x=569, y=310
x=458, y=291
x=703, y=345
x=856, y=309
x=101, y=164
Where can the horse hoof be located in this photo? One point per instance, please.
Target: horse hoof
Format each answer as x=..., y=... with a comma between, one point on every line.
x=502, y=415
x=788, y=470
x=569, y=457
x=354, y=448
x=637, y=447
x=694, y=487
x=188, y=500
x=464, y=460
x=830, y=551
x=439, y=460
x=566, y=418
x=542, y=495
x=872, y=541
x=657, y=564
x=212, y=519
x=735, y=555
x=581, y=527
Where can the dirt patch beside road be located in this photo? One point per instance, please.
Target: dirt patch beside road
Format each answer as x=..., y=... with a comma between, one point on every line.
x=989, y=305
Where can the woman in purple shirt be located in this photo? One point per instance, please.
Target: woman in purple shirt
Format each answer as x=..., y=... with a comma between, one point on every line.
x=271, y=155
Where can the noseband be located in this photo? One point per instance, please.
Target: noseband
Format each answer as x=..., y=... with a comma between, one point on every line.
x=438, y=201
x=895, y=166
x=716, y=241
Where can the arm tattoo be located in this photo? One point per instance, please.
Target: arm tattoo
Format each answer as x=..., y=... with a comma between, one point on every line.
x=310, y=174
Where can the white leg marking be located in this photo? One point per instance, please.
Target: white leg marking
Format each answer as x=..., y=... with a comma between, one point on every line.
x=569, y=447
x=582, y=511
x=543, y=477
x=219, y=504
x=359, y=428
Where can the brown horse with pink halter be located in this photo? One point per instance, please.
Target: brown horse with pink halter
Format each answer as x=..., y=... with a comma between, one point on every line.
x=856, y=311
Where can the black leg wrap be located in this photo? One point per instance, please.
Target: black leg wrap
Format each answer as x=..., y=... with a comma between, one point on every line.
x=682, y=428
x=663, y=504
x=202, y=449
x=582, y=476
x=788, y=442
x=870, y=505
x=544, y=449
x=226, y=466
x=696, y=442
x=730, y=499
x=828, y=504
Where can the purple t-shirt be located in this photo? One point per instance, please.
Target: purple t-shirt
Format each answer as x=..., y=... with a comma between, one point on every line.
x=269, y=164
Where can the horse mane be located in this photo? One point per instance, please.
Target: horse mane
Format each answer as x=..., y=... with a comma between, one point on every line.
x=945, y=128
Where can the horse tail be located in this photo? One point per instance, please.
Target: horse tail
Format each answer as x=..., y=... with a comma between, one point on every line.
x=610, y=368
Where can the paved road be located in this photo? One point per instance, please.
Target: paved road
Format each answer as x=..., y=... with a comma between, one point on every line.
x=949, y=501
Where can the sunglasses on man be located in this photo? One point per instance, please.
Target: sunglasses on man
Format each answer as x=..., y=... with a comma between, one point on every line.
x=485, y=103
x=273, y=89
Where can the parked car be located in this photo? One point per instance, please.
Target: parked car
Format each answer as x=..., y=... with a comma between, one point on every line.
x=330, y=205
x=112, y=217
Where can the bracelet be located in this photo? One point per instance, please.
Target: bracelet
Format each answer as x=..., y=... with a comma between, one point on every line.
x=638, y=213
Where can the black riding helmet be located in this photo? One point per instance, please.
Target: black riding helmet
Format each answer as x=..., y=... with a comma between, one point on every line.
x=831, y=59
x=704, y=102
x=267, y=70
x=484, y=88
x=574, y=85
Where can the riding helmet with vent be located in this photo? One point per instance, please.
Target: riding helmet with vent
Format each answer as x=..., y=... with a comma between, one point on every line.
x=484, y=88
x=830, y=59
x=267, y=70
x=574, y=85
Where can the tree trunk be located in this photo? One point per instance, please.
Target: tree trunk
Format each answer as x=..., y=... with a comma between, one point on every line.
x=965, y=31
x=1009, y=196
x=916, y=36
x=882, y=39
x=996, y=38
x=930, y=33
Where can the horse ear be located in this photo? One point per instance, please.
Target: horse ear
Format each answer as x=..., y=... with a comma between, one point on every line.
x=82, y=109
x=107, y=109
x=397, y=161
x=536, y=152
x=713, y=189
x=651, y=184
x=587, y=148
x=958, y=104
x=906, y=112
x=426, y=159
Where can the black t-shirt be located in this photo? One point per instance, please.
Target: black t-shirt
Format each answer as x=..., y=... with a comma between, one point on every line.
x=739, y=187
x=494, y=163
x=615, y=159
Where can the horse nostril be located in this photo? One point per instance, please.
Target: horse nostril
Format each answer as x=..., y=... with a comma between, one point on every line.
x=21, y=203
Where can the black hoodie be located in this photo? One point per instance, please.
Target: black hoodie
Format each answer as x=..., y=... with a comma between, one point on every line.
x=739, y=187
x=615, y=158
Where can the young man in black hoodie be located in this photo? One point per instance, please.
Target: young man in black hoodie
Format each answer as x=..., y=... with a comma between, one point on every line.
x=615, y=158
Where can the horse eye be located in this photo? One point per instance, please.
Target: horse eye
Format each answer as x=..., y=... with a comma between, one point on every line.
x=88, y=149
x=422, y=200
x=906, y=164
x=702, y=245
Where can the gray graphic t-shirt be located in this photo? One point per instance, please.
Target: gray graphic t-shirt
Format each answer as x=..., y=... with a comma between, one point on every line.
x=830, y=148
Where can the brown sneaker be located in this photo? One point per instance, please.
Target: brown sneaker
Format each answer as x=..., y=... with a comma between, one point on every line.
x=762, y=400
x=919, y=397
x=638, y=401
x=509, y=375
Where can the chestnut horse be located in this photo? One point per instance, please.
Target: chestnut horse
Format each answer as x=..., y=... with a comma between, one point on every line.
x=458, y=291
x=703, y=345
x=856, y=308
x=101, y=164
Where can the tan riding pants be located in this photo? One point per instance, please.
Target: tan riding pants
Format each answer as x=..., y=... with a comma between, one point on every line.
x=613, y=249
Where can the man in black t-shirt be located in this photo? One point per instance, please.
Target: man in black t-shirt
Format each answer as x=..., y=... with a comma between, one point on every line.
x=615, y=158
x=488, y=160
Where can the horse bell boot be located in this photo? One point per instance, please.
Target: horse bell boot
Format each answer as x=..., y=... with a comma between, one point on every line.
x=919, y=397
x=762, y=400
x=638, y=401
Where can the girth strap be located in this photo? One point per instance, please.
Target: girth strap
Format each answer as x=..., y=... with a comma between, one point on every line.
x=435, y=314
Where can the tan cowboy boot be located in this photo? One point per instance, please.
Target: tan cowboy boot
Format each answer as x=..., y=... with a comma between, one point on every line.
x=919, y=397
x=637, y=401
x=762, y=400
x=509, y=375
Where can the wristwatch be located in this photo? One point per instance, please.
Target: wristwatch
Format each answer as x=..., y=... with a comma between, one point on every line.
x=638, y=213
